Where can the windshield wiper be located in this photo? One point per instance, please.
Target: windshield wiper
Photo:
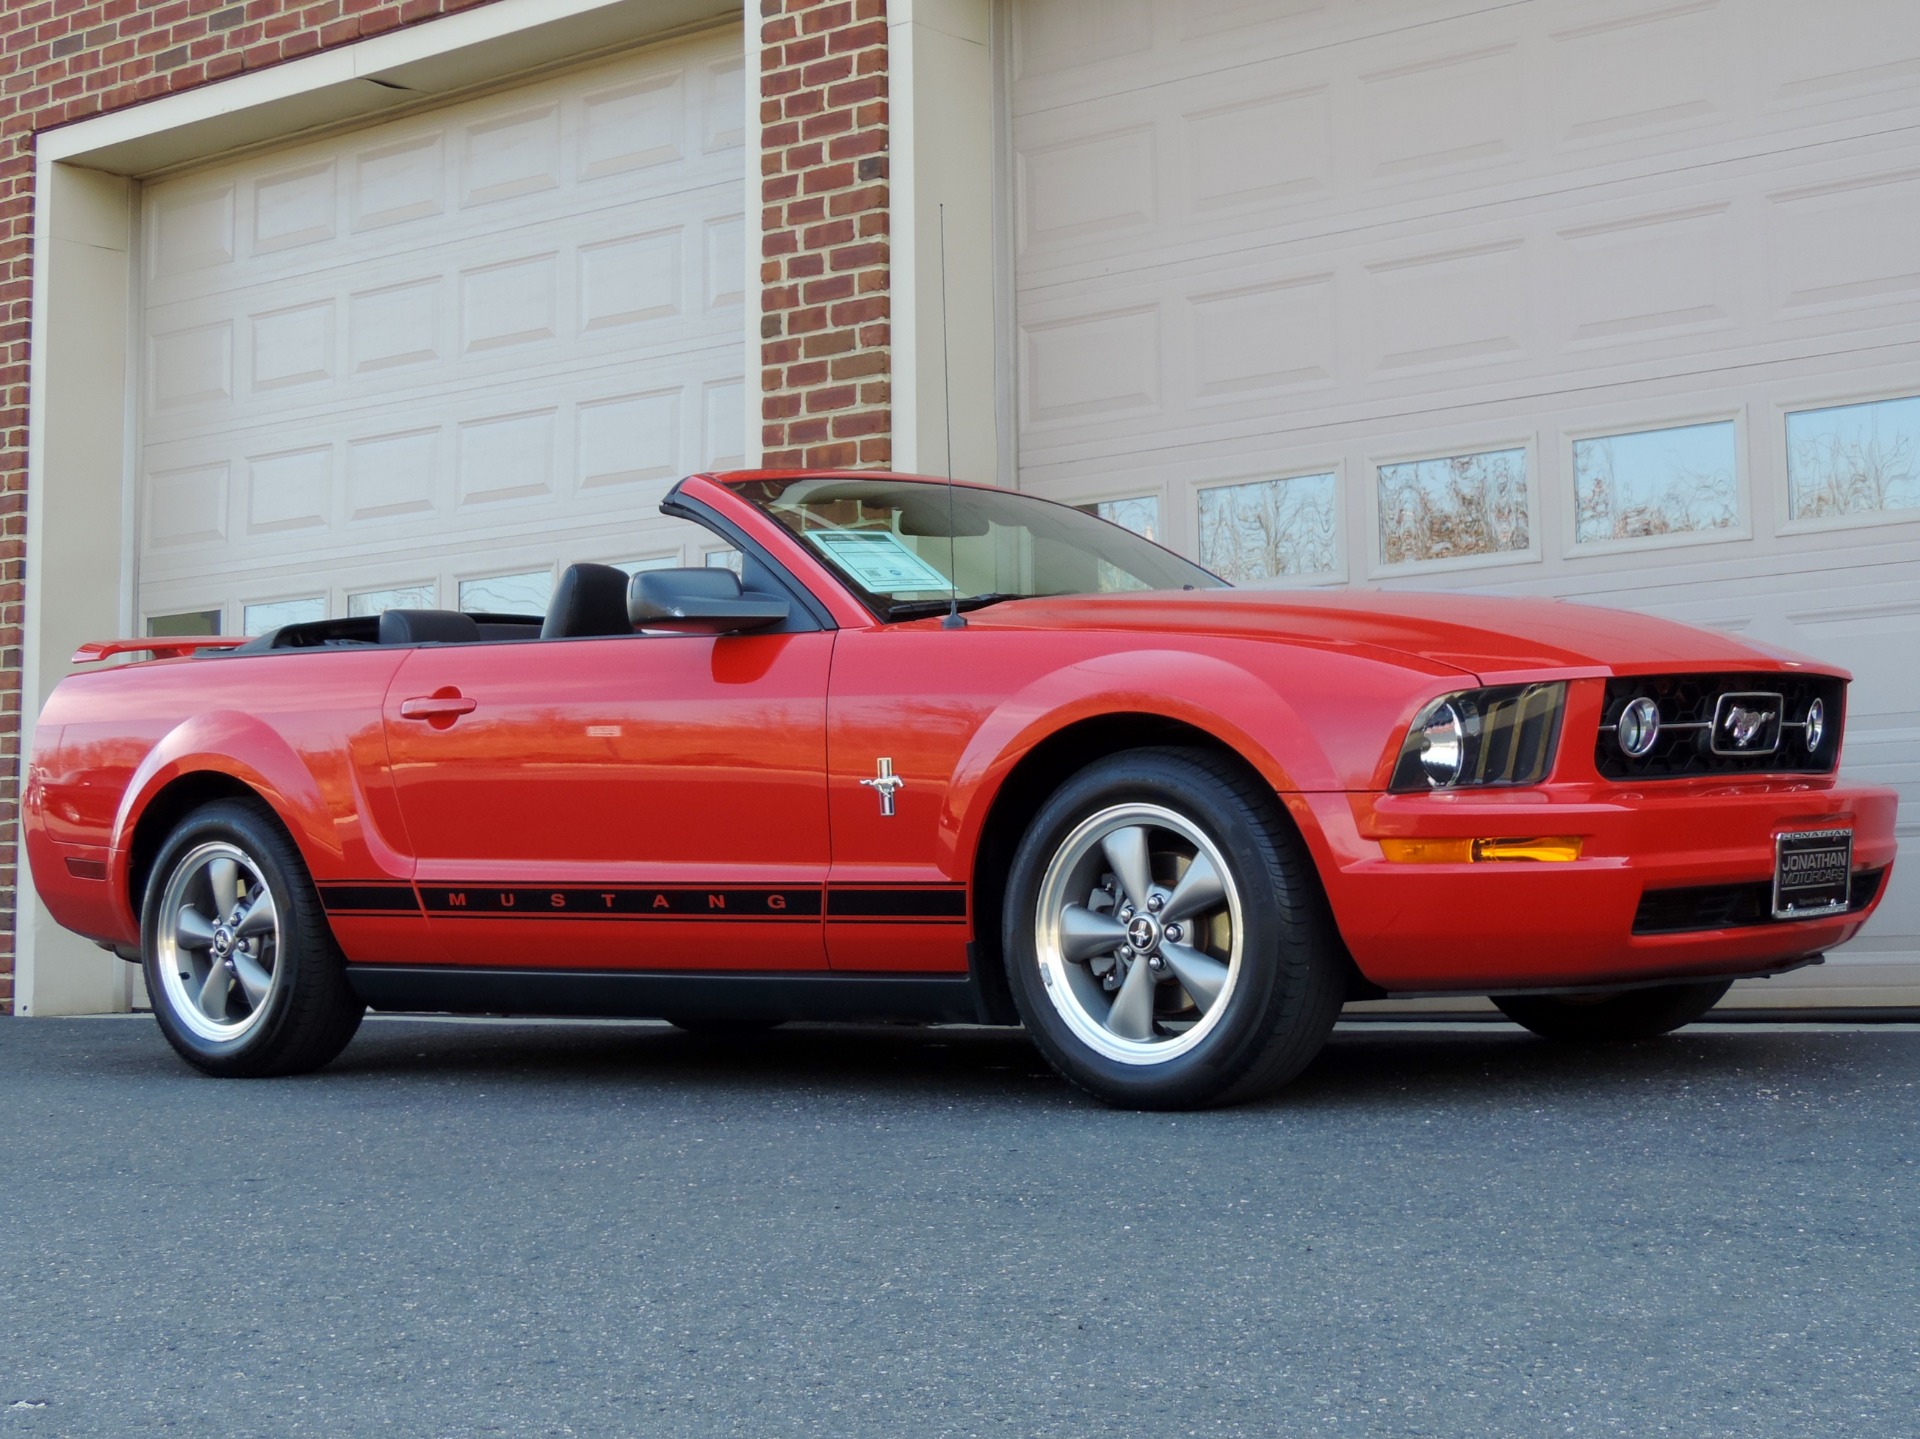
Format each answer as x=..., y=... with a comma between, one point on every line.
x=917, y=609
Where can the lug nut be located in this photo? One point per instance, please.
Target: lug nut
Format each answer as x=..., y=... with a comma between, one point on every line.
x=1173, y=933
x=1155, y=901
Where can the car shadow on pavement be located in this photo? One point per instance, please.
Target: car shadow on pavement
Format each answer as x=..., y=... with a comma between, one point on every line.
x=1361, y=1065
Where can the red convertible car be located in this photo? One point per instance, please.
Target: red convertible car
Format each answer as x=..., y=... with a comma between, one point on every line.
x=952, y=754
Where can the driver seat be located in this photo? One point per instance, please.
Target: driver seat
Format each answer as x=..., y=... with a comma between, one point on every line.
x=590, y=600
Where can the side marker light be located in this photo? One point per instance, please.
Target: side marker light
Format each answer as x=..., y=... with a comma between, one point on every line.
x=1552, y=849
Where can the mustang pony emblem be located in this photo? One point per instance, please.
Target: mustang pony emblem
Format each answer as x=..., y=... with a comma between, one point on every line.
x=1745, y=725
x=886, y=783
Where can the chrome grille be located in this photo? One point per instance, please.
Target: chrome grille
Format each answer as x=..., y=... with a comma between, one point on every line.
x=1689, y=706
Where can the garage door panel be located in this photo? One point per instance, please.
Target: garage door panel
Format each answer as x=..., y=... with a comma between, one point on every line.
x=1636, y=284
x=1412, y=110
x=632, y=131
x=1679, y=58
x=664, y=280
x=519, y=454
x=1828, y=54
x=449, y=344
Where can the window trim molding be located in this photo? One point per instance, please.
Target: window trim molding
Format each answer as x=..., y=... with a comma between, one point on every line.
x=1573, y=548
x=1785, y=526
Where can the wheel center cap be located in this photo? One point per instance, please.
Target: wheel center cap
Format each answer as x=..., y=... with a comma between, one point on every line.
x=222, y=939
x=1143, y=933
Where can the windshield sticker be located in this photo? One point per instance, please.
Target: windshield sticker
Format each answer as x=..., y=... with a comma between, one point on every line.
x=877, y=561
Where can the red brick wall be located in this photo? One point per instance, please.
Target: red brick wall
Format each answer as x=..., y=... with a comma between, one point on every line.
x=825, y=108
x=825, y=392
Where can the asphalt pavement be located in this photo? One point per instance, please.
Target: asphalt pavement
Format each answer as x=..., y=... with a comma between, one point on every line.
x=555, y=1229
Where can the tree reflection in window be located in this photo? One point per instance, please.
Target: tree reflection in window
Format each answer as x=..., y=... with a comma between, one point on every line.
x=1655, y=482
x=1461, y=505
x=1854, y=459
x=1269, y=528
x=1139, y=513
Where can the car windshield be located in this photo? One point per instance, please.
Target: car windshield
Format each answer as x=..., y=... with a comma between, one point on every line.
x=907, y=548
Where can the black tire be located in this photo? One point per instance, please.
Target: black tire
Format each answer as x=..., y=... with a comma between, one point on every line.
x=305, y=1012
x=1611, y=1018
x=1276, y=1002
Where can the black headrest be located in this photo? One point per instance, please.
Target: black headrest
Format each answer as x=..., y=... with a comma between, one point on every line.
x=420, y=627
x=589, y=600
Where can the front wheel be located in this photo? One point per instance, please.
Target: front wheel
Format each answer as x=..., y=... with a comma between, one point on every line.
x=1167, y=943
x=1610, y=1018
x=241, y=966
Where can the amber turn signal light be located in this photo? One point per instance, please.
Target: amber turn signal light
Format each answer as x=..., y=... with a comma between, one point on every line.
x=1552, y=849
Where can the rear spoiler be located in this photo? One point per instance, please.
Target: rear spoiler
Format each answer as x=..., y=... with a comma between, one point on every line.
x=171, y=647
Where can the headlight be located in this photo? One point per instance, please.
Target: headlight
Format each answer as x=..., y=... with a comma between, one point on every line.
x=1502, y=736
x=1442, y=744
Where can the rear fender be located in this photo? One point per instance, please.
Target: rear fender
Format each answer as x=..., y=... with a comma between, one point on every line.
x=242, y=748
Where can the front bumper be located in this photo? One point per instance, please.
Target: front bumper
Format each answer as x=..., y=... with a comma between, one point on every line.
x=1523, y=925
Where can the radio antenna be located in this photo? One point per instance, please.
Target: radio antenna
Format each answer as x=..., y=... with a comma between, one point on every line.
x=954, y=620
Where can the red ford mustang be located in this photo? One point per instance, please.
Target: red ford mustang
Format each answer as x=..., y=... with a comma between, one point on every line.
x=952, y=754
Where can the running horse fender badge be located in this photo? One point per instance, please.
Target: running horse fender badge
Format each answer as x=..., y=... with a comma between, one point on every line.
x=886, y=784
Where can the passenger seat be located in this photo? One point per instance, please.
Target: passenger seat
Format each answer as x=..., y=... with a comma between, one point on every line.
x=589, y=600
x=422, y=627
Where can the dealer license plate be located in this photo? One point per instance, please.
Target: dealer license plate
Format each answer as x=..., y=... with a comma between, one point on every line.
x=1812, y=873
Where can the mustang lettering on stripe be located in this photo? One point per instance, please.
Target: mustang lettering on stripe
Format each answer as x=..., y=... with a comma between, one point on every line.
x=622, y=902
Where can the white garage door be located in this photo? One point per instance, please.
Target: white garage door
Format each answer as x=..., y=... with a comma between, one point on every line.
x=1615, y=301
x=423, y=363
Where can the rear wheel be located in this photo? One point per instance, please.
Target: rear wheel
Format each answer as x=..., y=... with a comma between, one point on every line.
x=1622, y=1015
x=1167, y=942
x=241, y=966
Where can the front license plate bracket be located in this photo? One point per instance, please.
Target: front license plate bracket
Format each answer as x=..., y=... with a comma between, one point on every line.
x=1812, y=873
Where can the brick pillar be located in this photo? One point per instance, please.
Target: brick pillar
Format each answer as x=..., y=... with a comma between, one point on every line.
x=825, y=391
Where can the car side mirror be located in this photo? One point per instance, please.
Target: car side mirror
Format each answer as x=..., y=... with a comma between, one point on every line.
x=705, y=601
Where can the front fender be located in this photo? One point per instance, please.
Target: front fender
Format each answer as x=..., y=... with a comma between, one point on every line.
x=1232, y=704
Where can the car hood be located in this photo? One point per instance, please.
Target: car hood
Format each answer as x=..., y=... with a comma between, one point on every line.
x=1483, y=635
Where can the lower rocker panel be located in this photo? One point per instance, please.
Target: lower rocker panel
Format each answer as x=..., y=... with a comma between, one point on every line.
x=626, y=995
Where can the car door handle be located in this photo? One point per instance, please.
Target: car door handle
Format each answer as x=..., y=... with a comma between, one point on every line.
x=446, y=707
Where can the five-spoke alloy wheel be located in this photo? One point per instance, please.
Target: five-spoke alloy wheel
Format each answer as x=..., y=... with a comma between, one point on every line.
x=1138, y=933
x=241, y=966
x=1167, y=942
x=218, y=942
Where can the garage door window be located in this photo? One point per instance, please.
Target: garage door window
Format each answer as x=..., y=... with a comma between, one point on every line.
x=1655, y=482
x=1455, y=507
x=521, y=594
x=1854, y=459
x=403, y=597
x=191, y=622
x=259, y=619
x=1140, y=513
x=1270, y=528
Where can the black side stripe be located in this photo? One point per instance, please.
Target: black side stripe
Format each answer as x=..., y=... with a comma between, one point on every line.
x=899, y=904
x=873, y=904
x=369, y=899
